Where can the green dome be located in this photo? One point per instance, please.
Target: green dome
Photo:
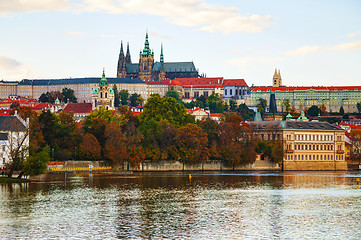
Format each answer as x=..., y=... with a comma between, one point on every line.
x=96, y=90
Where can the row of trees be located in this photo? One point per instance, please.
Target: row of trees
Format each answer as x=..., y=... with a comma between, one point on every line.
x=163, y=131
x=66, y=95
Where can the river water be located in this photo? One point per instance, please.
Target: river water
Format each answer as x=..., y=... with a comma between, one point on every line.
x=230, y=205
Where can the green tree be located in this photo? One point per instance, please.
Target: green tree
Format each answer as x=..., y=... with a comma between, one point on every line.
x=173, y=94
x=124, y=95
x=261, y=106
x=215, y=103
x=313, y=111
x=135, y=100
x=168, y=108
x=358, y=105
x=342, y=112
x=116, y=96
x=69, y=96
x=232, y=105
x=50, y=127
x=286, y=104
x=37, y=164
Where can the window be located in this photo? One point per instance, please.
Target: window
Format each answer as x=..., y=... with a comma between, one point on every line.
x=186, y=94
x=230, y=92
x=225, y=91
x=205, y=94
x=196, y=94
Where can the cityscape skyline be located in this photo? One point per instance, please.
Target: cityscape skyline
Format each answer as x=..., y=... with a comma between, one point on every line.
x=312, y=43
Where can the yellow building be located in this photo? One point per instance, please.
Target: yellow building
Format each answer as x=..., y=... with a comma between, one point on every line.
x=307, y=145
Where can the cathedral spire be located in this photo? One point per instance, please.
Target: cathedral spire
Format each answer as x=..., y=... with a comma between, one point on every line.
x=127, y=57
x=161, y=54
x=146, y=50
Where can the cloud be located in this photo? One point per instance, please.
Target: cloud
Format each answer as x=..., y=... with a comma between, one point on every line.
x=190, y=13
x=158, y=35
x=351, y=35
x=14, y=70
x=305, y=50
x=103, y=35
x=74, y=33
x=21, y=6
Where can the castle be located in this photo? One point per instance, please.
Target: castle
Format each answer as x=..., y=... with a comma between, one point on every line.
x=148, y=70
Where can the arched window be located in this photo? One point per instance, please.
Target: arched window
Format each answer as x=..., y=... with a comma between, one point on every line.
x=101, y=94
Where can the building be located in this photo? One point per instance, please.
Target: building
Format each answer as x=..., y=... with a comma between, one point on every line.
x=149, y=70
x=103, y=95
x=8, y=88
x=83, y=87
x=13, y=137
x=201, y=114
x=307, y=145
x=332, y=97
x=80, y=110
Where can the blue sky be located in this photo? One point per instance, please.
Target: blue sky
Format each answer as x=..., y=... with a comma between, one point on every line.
x=312, y=42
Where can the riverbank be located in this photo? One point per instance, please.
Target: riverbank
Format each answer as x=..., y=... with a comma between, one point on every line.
x=13, y=180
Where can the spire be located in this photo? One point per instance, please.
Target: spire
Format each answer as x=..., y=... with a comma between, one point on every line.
x=121, y=60
x=279, y=74
x=127, y=57
x=275, y=75
x=103, y=81
x=161, y=54
x=146, y=50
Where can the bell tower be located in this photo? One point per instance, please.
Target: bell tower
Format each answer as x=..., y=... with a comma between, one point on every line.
x=146, y=61
x=277, y=80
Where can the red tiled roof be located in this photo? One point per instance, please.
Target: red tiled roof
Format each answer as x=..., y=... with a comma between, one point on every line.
x=78, y=107
x=200, y=81
x=42, y=106
x=163, y=82
x=5, y=112
x=175, y=82
x=234, y=82
x=324, y=88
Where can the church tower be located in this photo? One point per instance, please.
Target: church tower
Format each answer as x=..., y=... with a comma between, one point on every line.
x=103, y=95
x=277, y=80
x=121, y=71
x=146, y=62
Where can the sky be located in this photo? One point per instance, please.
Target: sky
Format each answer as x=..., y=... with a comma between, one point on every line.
x=311, y=42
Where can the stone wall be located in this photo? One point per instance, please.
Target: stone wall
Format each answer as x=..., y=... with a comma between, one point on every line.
x=207, y=166
x=314, y=166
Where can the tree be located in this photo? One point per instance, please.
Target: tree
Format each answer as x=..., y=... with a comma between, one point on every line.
x=89, y=148
x=37, y=164
x=115, y=147
x=168, y=108
x=235, y=146
x=50, y=97
x=261, y=106
x=211, y=128
x=215, y=103
x=192, y=144
x=232, y=105
x=135, y=100
x=50, y=127
x=323, y=109
x=313, y=111
x=355, y=140
x=173, y=94
x=116, y=96
x=286, y=104
x=342, y=112
x=124, y=95
x=14, y=105
x=68, y=95
x=358, y=105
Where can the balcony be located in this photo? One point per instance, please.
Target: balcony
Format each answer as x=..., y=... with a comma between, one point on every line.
x=289, y=151
x=340, y=151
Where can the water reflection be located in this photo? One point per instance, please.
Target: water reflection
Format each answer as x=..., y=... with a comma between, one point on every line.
x=247, y=205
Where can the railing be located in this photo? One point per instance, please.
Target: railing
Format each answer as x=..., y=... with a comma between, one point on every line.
x=289, y=151
x=79, y=169
x=340, y=151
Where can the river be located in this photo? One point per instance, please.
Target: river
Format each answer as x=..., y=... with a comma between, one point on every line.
x=229, y=205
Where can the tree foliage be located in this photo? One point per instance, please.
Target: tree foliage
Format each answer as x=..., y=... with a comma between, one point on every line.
x=37, y=163
x=124, y=95
x=68, y=95
x=174, y=94
x=89, y=147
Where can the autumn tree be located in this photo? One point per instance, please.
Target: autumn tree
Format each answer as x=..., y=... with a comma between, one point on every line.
x=211, y=128
x=323, y=109
x=355, y=140
x=115, y=147
x=89, y=147
x=192, y=144
x=235, y=145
